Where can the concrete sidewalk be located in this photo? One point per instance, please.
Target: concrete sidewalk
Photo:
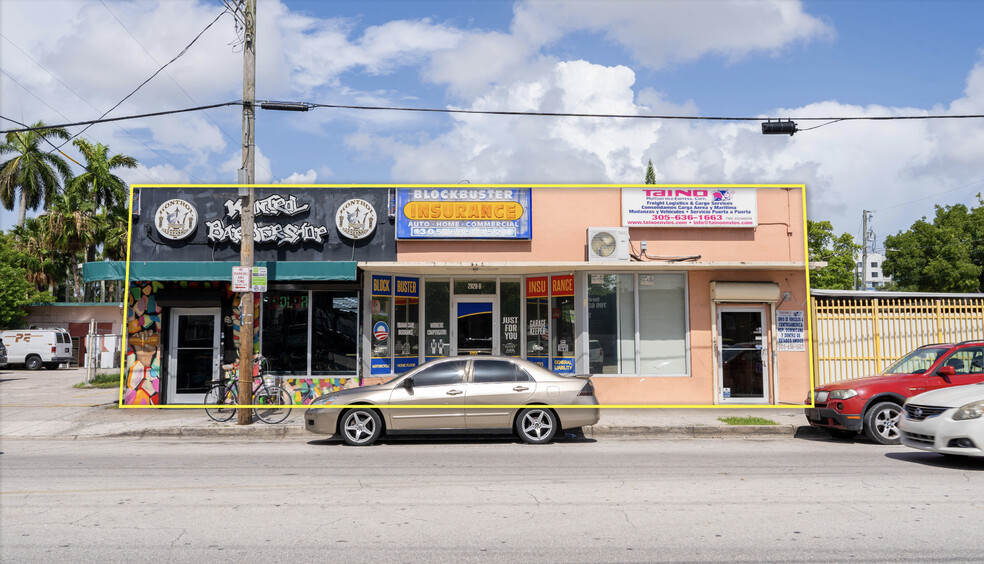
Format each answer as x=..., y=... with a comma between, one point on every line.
x=43, y=404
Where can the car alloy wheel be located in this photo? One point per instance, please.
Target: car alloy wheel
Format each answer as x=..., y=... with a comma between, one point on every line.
x=361, y=427
x=880, y=423
x=536, y=425
x=33, y=363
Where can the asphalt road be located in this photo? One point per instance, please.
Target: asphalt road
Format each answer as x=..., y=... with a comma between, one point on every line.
x=486, y=501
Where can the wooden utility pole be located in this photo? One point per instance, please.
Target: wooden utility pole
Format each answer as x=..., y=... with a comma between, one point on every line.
x=246, y=177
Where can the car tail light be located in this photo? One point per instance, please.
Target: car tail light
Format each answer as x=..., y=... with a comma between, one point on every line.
x=587, y=390
x=52, y=348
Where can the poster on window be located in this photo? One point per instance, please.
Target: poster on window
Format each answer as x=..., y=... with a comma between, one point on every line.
x=382, y=292
x=791, y=330
x=690, y=207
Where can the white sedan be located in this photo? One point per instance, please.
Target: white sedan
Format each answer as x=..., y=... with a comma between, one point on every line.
x=947, y=421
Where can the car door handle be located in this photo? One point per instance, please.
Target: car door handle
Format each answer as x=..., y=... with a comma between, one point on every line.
x=454, y=392
x=520, y=389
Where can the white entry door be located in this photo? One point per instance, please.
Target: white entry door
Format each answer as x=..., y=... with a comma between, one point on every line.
x=743, y=356
x=193, y=355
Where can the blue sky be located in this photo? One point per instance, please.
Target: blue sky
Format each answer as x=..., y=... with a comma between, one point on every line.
x=705, y=58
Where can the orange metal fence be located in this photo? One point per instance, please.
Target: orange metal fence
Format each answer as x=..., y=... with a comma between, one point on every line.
x=857, y=336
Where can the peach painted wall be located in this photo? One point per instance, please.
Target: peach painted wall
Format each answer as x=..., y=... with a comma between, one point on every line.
x=562, y=215
x=793, y=368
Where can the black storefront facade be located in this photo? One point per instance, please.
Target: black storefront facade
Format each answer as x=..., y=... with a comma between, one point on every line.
x=182, y=315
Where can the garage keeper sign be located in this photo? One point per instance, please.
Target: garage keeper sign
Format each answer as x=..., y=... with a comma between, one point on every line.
x=464, y=213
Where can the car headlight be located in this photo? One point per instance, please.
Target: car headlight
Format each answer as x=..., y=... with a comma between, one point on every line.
x=842, y=394
x=324, y=400
x=973, y=410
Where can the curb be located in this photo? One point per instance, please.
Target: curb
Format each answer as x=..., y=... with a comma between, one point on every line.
x=276, y=432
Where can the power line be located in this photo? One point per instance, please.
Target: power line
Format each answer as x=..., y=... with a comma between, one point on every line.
x=79, y=96
x=176, y=57
x=639, y=116
x=189, y=96
x=535, y=114
x=121, y=118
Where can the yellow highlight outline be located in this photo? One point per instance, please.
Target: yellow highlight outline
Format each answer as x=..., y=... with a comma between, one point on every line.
x=806, y=259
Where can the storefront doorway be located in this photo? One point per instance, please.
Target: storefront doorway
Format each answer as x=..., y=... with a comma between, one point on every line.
x=193, y=355
x=475, y=325
x=743, y=365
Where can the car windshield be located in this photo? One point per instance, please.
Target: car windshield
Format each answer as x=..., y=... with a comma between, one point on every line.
x=916, y=362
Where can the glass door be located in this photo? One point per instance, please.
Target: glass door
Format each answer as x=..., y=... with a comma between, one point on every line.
x=193, y=354
x=743, y=355
x=475, y=327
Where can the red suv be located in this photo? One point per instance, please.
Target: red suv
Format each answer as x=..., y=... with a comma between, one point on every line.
x=873, y=404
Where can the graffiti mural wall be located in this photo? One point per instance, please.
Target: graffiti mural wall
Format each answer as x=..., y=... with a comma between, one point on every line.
x=143, y=346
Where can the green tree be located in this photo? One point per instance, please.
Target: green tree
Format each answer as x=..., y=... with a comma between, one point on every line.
x=72, y=229
x=98, y=182
x=16, y=292
x=837, y=252
x=946, y=255
x=650, y=173
x=45, y=265
x=33, y=176
x=108, y=192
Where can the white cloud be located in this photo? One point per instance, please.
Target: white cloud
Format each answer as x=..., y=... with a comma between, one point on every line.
x=655, y=34
x=261, y=168
x=308, y=177
x=661, y=33
x=847, y=166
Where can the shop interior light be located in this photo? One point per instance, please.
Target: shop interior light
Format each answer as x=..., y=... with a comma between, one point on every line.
x=779, y=127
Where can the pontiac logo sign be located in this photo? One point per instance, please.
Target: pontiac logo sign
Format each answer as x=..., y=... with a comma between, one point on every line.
x=176, y=219
x=356, y=219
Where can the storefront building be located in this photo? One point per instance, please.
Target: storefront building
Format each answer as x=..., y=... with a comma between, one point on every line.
x=183, y=316
x=667, y=295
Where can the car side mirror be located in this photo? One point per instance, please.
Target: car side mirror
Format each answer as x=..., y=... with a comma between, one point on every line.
x=408, y=383
x=945, y=372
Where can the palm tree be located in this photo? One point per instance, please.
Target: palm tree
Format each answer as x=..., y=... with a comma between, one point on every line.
x=45, y=265
x=98, y=182
x=71, y=225
x=35, y=173
x=106, y=191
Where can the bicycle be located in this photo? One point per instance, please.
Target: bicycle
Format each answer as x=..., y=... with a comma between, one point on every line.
x=273, y=401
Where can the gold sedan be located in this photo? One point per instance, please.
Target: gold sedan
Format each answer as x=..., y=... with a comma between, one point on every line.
x=488, y=394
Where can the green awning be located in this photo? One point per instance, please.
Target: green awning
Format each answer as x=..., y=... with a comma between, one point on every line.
x=216, y=271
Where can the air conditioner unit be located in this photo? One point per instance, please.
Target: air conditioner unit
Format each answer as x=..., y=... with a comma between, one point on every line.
x=608, y=244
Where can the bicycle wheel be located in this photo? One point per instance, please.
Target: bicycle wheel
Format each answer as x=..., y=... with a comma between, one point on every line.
x=275, y=404
x=218, y=400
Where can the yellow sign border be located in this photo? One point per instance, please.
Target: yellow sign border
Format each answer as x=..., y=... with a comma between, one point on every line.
x=806, y=257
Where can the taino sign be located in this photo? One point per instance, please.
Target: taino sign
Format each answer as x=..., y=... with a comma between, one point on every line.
x=463, y=213
x=176, y=219
x=708, y=206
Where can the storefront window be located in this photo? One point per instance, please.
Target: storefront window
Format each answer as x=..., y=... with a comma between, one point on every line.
x=662, y=324
x=562, y=315
x=437, y=304
x=285, y=332
x=611, y=323
x=406, y=315
x=537, y=320
x=334, y=333
x=510, y=304
x=382, y=294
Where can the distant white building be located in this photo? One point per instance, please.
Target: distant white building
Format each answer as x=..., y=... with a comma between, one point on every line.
x=872, y=271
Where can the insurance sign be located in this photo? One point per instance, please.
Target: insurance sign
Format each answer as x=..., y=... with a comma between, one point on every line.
x=464, y=213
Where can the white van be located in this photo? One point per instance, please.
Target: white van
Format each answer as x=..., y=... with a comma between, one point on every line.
x=35, y=348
